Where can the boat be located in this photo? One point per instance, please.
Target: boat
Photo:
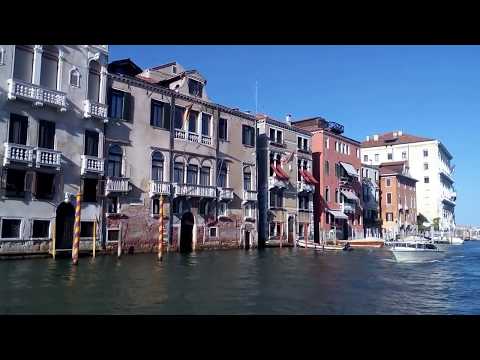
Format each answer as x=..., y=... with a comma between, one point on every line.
x=415, y=251
x=364, y=243
x=319, y=246
x=456, y=241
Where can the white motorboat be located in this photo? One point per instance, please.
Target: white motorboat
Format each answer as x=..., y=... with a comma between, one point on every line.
x=319, y=246
x=457, y=241
x=415, y=251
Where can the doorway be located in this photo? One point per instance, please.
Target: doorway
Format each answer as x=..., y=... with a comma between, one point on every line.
x=65, y=218
x=186, y=232
x=291, y=229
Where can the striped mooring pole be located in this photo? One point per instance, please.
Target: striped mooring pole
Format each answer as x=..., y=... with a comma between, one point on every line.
x=76, y=230
x=160, y=231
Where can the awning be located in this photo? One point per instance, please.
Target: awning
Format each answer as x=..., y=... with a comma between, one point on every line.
x=308, y=177
x=349, y=169
x=350, y=195
x=338, y=214
x=281, y=174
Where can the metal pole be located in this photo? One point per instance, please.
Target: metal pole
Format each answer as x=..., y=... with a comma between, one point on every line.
x=160, y=231
x=76, y=231
x=119, y=244
x=54, y=239
x=94, y=238
x=281, y=234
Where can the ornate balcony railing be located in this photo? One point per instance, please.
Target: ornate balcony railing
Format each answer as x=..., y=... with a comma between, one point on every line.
x=48, y=157
x=195, y=190
x=225, y=193
x=303, y=186
x=120, y=184
x=180, y=134
x=193, y=137
x=37, y=94
x=18, y=153
x=91, y=164
x=207, y=140
x=273, y=181
x=159, y=188
x=249, y=195
x=94, y=109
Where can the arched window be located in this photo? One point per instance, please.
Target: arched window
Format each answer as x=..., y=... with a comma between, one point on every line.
x=75, y=77
x=114, y=166
x=49, y=71
x=94, y=81
x=157, y=166
x=23, y=63
x=247, y=178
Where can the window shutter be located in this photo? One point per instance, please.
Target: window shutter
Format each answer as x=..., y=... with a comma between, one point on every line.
x=243, y=134
x=109, y=102
x=82, y=187
x=128, y=104
x=152, y=104
x=99, y=188
x=166, y=116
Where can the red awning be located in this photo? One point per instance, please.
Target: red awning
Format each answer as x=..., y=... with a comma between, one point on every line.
x=308, y=177
x=281, y=174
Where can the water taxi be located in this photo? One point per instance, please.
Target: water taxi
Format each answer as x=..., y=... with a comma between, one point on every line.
x=415, y=251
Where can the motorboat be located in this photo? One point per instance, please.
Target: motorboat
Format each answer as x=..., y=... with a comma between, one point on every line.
x=415, y=250
x=457, y=240
x=320, y=246
x=364, y=243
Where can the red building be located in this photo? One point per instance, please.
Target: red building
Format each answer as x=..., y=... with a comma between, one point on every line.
x=336, y=162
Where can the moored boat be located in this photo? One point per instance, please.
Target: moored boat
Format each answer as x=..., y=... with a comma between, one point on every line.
x=415, y=251
x=364, y=243
x=319, y=246
x=456, y=241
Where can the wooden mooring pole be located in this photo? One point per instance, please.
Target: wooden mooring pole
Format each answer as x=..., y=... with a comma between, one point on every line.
x=94, y=245
x=54, y=239
x=160, y=231
x=76, y=230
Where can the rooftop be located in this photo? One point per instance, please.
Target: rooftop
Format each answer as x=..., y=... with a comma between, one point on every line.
x=392, y=138
x=270, y=120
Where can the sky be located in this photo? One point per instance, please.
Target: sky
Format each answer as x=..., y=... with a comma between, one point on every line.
x=430, y=91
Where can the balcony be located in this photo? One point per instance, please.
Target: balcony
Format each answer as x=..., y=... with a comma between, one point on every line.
x=449, y=198
x=249, y=195
x=36, y=94
x=304, y=187
x=91, y=164
x=206, y=140
x=348, y=207
x=159, y=188
x=192, y=137
x=179, y=134
x=195, y=190
x=120, y=184
x=446, y=174
x=94, y=109
x=225, y=193
x=48, y=157
x=18, y=153
x=305, y=151
x=276, y=143
x=274, y=181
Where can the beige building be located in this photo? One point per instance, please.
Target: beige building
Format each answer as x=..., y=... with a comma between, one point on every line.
x=285, y=180
x=167, y=139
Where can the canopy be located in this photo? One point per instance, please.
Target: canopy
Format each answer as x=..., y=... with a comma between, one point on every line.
x=281, y=174
x=349, y=169
x=308, y=177
x=350, y=195
x=338, y=214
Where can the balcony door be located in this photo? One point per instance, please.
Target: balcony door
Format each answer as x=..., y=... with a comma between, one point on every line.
x=91, y=143
x=114, y=165
x=17, y=132
x=23, y=65
x=46, y=134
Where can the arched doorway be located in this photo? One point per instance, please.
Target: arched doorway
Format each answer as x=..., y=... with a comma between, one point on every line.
x=291, y=229
x=65, y=219
x=186, y=232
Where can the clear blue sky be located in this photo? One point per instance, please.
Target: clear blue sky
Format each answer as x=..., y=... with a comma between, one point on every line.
x=431, y=91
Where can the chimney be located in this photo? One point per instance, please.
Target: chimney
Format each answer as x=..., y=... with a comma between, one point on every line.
x=368, y=138
x=288, y=119
x=400, y=132
x=375, y=137
x=394, y=134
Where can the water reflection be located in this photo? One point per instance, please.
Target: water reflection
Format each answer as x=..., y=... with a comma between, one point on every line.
x=271, y=281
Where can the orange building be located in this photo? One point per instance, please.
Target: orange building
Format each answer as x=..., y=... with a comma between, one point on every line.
x=398, y=206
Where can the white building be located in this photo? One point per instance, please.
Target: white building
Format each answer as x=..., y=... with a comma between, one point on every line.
x=430, y=164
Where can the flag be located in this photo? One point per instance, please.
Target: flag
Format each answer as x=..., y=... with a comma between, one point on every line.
x=185, y=115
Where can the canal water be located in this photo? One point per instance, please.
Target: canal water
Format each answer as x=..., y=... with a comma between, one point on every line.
x=271, y=281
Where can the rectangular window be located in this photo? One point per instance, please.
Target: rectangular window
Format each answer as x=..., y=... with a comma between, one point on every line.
x=179, y=112
x=212, y=232
x=272, y=134
x=390, y=156
x=195, y=88
x=305, y=144
x=377, y=156
x=426, y=180
x=425, y=166
x=222, y=208
x=206, y=124
x=299, y=143
x=205, y=176
x=365, y=158
x=86, y=229
x=112, y=205
x=425, y=153
x=46, y=134
x=300, y=229
x=327, y=194
x=91, y=143
x=155, y=206
x=40, y=229
x=192, y=174
x=192, y=121
x=11, y=228
x=23, y=66
x=327, y=168
x=178, y=173
x=45, y=186
x=117, y=104
x=15, y=186
x=248, y=135
x=17, y=132
x=388, y=182
x=404, y=155
x=222, y=129
x=389, y=216
x=113, y=234
x=327, y=143
x=49, y=71
x=389, y=198
x=160, y=114
x=247, y=180
x=90, y=190
x=279, y=137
